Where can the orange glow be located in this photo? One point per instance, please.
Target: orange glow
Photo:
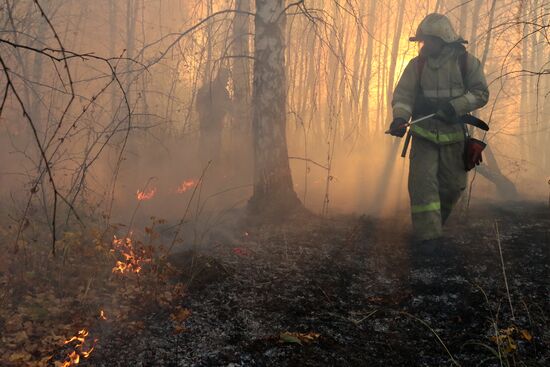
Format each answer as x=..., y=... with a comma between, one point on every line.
x=132, y=258
x=146, y=194
x=186, y=185
x=74, y=359
x=74, y=356
x=102, y=315
x=81, y=337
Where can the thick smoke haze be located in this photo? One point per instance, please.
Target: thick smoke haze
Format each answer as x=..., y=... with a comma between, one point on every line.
x=122, y=113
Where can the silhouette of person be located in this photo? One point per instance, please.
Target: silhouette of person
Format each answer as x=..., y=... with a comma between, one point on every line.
x=213, y=104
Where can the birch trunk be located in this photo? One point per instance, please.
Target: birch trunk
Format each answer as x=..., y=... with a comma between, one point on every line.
x=273, y=189
x=241, y=68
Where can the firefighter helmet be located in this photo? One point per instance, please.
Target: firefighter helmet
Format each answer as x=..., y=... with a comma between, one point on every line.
x=437, y=25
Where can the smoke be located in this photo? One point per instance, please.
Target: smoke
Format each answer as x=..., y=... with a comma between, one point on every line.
x=142, y=132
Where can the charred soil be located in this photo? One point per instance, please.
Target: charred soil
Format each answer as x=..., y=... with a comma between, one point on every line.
x=356, y=292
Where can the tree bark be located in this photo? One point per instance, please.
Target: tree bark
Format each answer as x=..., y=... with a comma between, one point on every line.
x=473, y=33
x=240, y=115
x=113, y=18
x=491, y=170
x=391, y=155
x=524, y=102
x=354, y=98
x=241, y=69
x=393, y=62
x=463, y=17
x=371, y=28
x=274, y=194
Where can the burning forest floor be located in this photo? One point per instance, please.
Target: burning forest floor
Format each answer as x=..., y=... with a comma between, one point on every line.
x=343, y=292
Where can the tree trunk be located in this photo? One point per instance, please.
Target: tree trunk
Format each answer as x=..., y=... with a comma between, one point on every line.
x=491, y=170
x=131, y=17
x=524, y=102
x=473, y=33
x=463, y=17
x=544, y=103
x=391, y=155
x=209, y=47
x=393, y=62
x=368, y=59
x=239, y=138
x=533, y=126
x=241, y=69
x=274, y=194
x=438, y=6
x=354, y=97
x=113, y=18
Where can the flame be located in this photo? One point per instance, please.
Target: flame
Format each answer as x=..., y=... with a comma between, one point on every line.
x=146, y=194
x=81, y=337
x=74, y=356
x=74, y=359
x=186, y=185
x=133, y=258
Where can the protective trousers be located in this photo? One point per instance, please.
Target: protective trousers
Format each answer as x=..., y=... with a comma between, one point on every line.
x=437, y=178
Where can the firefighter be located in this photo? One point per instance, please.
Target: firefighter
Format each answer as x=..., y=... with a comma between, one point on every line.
x=213, y=103
x=449, y=81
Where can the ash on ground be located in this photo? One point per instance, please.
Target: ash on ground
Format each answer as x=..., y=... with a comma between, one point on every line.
x=355, y=291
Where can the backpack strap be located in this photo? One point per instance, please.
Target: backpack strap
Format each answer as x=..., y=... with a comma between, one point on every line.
x=420, y=63
x=463, y=65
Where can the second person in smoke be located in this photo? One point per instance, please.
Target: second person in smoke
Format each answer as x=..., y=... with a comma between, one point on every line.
x=213, y=105
x=444, y=79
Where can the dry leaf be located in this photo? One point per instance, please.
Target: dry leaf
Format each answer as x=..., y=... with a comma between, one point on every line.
x=20, y=356
x=526, y=335
x=181, y=315
x=298, y=338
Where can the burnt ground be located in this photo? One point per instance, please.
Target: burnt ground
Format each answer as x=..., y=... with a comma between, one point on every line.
x=360, y=294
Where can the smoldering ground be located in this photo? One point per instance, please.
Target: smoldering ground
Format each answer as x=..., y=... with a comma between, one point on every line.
x=352, y=291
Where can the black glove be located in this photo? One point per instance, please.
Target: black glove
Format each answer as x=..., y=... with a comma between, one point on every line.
x=446, y=113
x=398, y=127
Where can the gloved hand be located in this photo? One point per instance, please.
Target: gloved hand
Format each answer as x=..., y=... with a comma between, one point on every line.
x=446, y=113
x=398, y=127
x=473, y=157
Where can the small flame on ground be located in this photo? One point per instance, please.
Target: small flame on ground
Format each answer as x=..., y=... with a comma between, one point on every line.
x=146, y=194
x=81, y=337
x=133, y=258
x=186, y=185
x=74, y=359
x=74, y=356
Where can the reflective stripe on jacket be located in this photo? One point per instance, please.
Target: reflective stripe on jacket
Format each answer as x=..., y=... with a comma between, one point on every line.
x=441, y=82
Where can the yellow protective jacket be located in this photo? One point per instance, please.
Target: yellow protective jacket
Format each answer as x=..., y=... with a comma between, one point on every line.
x=442, y=81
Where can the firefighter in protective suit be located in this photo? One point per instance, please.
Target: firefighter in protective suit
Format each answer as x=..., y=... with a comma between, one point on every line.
x=444, y=79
